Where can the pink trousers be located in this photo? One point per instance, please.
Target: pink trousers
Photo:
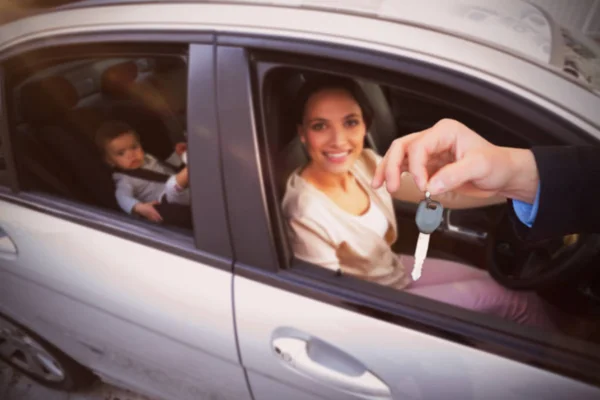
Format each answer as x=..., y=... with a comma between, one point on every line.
x=475, y=289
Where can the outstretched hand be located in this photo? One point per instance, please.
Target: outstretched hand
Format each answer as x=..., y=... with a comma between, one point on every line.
x=451, y=157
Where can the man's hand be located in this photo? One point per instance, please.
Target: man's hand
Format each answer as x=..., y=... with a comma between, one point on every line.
x=180, y=148
x=148, y=211
x=451, y=157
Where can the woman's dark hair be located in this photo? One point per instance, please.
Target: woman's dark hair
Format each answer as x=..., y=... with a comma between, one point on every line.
x=326, y=82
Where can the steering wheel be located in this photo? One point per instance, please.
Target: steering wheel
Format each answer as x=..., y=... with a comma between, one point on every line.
x=521, y=265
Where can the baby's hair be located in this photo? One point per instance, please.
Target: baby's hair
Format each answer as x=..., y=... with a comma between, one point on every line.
x=111, y=130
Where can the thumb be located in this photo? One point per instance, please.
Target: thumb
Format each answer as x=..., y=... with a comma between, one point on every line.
x=155, y=202
x=456, y=174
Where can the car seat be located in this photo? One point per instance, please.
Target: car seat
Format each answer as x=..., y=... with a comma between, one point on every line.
x=142, y=107
x=63, y=133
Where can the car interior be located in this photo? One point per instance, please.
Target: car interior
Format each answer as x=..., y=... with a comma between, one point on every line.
x=480, y=237
x=397, y=113
x=58, y=109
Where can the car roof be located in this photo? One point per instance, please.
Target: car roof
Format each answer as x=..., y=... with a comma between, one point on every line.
x=377, y=25
x=516, y=26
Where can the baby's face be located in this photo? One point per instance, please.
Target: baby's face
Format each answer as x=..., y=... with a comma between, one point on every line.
x=125, y=152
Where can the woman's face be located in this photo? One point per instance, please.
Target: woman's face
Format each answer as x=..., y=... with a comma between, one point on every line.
x=333, y=130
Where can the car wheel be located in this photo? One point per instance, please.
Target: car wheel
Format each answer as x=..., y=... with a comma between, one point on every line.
x=38, y=359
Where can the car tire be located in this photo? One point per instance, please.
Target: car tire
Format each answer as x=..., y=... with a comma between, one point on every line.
x=39, y=360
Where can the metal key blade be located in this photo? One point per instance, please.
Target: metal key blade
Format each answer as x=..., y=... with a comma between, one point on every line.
x=420, y=254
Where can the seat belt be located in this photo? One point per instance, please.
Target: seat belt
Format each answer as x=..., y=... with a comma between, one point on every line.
x=144, y=174
x=149, y=175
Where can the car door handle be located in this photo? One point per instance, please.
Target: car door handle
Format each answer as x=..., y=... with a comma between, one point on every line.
x=329, y=365
x=7, y=246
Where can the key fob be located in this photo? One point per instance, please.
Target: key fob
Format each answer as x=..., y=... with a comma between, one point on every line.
x=429, y=216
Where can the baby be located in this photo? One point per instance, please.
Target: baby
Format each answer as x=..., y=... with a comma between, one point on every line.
x=141, y=179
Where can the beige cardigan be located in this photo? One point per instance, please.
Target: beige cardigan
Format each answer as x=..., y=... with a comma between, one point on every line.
x=324, y=234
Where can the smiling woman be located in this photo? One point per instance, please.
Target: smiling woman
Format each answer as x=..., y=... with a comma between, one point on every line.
x=338, y=221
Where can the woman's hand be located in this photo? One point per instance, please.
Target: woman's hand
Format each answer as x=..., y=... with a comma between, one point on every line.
x=451, y=157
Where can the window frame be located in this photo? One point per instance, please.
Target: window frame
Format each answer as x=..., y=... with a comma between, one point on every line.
x=211, y=248
x=265, y=61
x=7, y=176
x=244, y=142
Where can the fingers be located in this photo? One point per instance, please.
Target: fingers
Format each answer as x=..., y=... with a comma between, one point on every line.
x=455, y=175
x=378, y=177
x=424, y=152
x=434, y=141
x=390, y=169
x=379, y=173
x=155, y=216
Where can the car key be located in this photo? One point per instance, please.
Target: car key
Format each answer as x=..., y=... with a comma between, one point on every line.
x=428, y=218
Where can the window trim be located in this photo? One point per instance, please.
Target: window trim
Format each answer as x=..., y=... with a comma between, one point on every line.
x=8, y=177
x=118, y=225
x=242, y=141
x=264, y=63
x=137, y=37
x=200, y=247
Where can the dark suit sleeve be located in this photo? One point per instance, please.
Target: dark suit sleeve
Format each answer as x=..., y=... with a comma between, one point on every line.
x=569, y=192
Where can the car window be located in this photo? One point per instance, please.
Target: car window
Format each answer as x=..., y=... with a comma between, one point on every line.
x=108, y=132
x=399, y=108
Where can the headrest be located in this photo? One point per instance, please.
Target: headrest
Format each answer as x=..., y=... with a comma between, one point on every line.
x=163, y=64
x=292, y=157
x=170, y=88
x=116, y=80
x=47, y=98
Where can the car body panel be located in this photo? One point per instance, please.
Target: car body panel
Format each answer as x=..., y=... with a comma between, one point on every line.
x=170, y=326
x=258, y=322
x=413, y=364
x=139, y=315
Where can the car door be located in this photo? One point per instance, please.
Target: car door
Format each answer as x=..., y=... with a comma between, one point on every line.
x=143, y=306
x=307, y=333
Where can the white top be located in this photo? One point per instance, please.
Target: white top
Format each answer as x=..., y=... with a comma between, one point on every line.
x=132, y=190
x=374, y=219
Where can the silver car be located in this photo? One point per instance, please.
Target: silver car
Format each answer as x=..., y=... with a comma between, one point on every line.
x=221, y=309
